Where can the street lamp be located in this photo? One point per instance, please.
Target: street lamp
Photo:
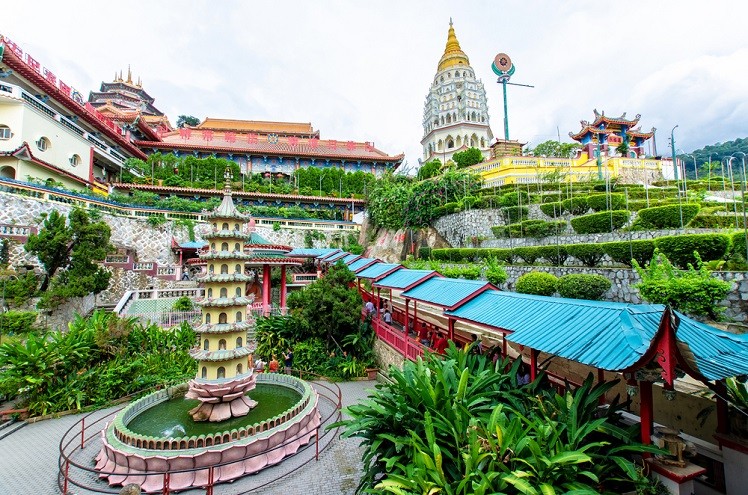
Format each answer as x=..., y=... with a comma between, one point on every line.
x=742, y=196
x=672, y=149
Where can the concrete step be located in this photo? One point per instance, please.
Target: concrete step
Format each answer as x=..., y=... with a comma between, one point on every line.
x=12, y=429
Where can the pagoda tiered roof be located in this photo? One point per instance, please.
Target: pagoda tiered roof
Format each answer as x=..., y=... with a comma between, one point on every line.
x=224, y=277
x=223, y=302
x=239, y=326
x=225, y=234
x=220, y=355
x=224, y=255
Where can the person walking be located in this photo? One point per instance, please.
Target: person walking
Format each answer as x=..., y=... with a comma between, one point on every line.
x=273, y=365
x=288, y=360
x=387, y=317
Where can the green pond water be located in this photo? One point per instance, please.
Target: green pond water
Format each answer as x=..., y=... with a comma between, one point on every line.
x=171, y=419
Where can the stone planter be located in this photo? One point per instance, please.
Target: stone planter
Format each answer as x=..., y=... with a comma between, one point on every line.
x=371, y=373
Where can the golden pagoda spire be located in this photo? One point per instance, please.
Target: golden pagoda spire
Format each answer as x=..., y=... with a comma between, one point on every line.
x=129, y=75
x=120, y=76
x=140, y=83
x=453, y=54
x=115, y=76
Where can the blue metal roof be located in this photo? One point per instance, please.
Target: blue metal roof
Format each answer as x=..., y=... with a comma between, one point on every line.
x=328, y=254
x=606, y=335
x=361, y=262
x=311, y=252
x=378, y=270
x=716, y=354
x=403, y=278
x=335, y=257
x=193, y=244
x=351, y=258
x=445, y=292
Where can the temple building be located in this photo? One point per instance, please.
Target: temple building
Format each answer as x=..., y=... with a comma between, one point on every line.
x=455, y=115
x=267, y=147
x=129, y=105
x=223, y=375
x=608, y=133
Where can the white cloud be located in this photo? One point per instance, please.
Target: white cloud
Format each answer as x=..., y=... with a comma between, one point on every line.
x=361, y=70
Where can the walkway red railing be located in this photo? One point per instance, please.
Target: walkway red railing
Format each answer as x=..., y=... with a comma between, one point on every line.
x=398, y=340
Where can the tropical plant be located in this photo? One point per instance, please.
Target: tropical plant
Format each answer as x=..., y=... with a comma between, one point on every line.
x=694, y=291
x=583, y=286
x=681, y=249
x=184, y=303
x=495, y=272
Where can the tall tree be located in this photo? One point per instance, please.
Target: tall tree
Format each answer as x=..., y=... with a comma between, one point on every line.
x=75, y=247
x=429, y=169
x=554, y=149
x=466, y=158
x=189, y=120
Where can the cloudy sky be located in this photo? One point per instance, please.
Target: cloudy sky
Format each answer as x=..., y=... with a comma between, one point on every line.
x=361, y=70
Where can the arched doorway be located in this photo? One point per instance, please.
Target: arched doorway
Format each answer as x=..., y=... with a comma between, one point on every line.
x=8, y=172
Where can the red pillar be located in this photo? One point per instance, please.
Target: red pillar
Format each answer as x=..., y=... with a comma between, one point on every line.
x=379, y=296
x=533, y=364
x=407, y=303
x=266, y=289
x=415, y=317
x=451, y=326
x=283, y=290
x=601, y=379
x=646, y=411
x=503, y=344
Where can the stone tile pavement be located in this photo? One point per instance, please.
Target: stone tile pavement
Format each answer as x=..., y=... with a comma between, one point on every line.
x=28, y=462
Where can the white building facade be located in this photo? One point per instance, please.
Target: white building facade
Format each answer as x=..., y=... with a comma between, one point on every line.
x=455, y=115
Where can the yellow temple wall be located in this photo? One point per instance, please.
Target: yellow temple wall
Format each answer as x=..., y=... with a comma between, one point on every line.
x=531, y=169
x=230, y=367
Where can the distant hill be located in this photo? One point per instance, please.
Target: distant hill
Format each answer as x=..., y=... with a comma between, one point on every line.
x=717, y=152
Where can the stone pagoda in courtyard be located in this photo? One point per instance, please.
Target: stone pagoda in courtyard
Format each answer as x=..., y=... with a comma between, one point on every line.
x=223, y=375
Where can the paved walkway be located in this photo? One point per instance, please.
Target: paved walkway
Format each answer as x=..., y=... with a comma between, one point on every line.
x=28, y=461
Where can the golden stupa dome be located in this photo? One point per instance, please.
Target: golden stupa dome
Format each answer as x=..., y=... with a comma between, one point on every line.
x=453, y=54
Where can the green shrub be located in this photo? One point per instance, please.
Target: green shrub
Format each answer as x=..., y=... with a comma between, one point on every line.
x=679, y=249
x=276, y=226
x=528, y=253
x=589, y=254
x=553, y=210
x=583, y=286
x=554, y=254
x=623, y=252
x=467, y=254
x=515, y=199
x=17, y=322
x=597, y=223
x=576, y=205
x=605, y=202
x=184, y=303
x=546, y=229
x=667, y=217
x=538, y=283
x=424, y=253
x=19, y=290
x=737, y=246
x=513, y=214
x=495, y=272
x=694, y=291
x=702, y=221
x=156, y=220
x=443, y=254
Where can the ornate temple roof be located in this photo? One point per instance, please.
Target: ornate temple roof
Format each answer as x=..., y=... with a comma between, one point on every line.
x=259, y=126
x=622, y=120
x=453, y=54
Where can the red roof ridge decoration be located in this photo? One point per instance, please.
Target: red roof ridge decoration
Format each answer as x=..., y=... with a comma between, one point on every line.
x=600, y=118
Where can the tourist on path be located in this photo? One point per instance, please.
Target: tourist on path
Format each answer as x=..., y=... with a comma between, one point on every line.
x=273, y=366
x=288, y=360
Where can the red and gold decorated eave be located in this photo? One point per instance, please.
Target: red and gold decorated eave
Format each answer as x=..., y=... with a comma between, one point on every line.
x=210, y=141
x=589, y=129
x=86, y=112
x=601, y=118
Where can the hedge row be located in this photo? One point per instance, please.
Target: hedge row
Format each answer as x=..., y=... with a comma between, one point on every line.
x=573, y=286
x=530, y=228
x=667, y=217
x=598, y=223
x=678, y=249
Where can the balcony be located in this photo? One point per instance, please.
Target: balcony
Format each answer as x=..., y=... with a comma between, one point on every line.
x=102, y=150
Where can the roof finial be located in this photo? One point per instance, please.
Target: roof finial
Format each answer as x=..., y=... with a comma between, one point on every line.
x=120, y=76
x=227, y=184
x=450, y=21
x=140, y=83
x=115, y=76
x=129, y=74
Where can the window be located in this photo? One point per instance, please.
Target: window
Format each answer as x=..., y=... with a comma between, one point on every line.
x=204, y=372
x=215, y=225
x=210, y=290
x=239, y=318
x=224, y=269
x=236, y=227
x=212, y=246
x=237, y=248
x=238, y=292
x=239, y=369
x=222, y=318
x=206, y=345
x=222, y=345
x=238, y=342
x=237, y=268
x=224, y=292
x=221, y=372
x=225, y=226
x=75, y=160
x=43, y=144
x=5, y=132
x=207, y=318
x=225, y=246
